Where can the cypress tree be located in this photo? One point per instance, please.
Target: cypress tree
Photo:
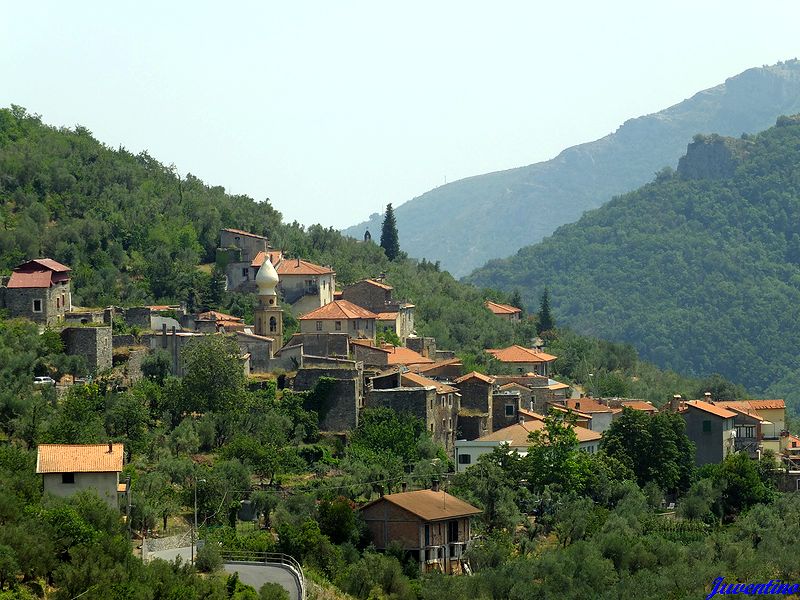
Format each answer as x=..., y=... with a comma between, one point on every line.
x=546, y=322
x=390, y=241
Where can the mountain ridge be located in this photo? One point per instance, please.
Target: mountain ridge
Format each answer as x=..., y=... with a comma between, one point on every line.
x=520, y=206
x=698, y=269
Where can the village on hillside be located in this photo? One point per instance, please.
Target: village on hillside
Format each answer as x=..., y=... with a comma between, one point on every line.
x=360, y=340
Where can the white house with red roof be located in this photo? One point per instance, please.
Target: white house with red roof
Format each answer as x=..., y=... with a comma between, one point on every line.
x=525, y=360
x=340, y=316
x=38, y=290
x=504, y=311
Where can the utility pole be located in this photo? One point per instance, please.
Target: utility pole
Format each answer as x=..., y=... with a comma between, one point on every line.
x=194, y=528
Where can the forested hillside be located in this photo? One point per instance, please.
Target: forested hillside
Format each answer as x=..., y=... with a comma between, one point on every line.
x=521, y=206
x=700, y=269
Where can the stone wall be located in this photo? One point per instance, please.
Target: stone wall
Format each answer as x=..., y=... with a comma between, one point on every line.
x=138, y=316
x=20, y=303
x=94, y=344
x=322, y=344
x=367, y=296
x=423, y=345
x=500, y=402
x=345, y=398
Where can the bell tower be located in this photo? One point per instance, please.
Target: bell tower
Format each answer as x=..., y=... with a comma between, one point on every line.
x=268, y=314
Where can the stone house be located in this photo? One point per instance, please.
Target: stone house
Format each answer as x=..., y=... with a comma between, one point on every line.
x=340, y=316
x=345, y=397
x=435, y=403
x=70, y=468
x=398, y=355
x=524, y=360
x=475, y=415
x=504, y=311
x=260, y=348
x=712, y=430
x=516, y=438
x=213, y=321
x=38, y=290
x=372, y=355
x=94, y=344
x=506, y=405
x=235, y=255
x=376, y=296
x=433, y=526
x=441, y=369
x=543, y=390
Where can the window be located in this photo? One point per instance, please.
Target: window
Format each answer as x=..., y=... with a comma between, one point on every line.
x=246, y=272
x=745, y=431
x=338, y=326
x=431, y=402
x=450, y=424
x=509, y=410
x=452, y=531
x=431, y=427
x=68, y=478
x=706, y=426
x=58, y=302
x=319, y=325
x=450, y=400
x=37, y=305
x=464, y=459
x=273, y=325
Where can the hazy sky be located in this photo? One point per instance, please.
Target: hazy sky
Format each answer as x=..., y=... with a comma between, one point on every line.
x=333, y=109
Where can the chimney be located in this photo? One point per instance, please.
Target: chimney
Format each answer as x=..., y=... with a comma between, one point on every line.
x=163, y=335
x=707, y=396
x=577, y=406
x=380, y=491
x=404, y=487
x=675, y=403
x=110, y=447
x=435, y=485
x=298, y=261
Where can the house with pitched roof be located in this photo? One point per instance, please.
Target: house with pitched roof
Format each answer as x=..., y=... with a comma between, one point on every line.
x=70, y=468
x=433, y=526
x=600, y=414
x=504, y=311
x=524, y=360
x=213, y=321
x=237, y=249
x=712, y=430
x=376, y=295
x=515, y=437
x=340, y=316
x=772, y=412
x=303, y=284
x=38, y=290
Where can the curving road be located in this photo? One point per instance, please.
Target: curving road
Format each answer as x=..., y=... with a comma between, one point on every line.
x=250, y=573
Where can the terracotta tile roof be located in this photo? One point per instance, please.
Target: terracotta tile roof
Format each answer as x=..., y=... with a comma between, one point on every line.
x=719, y=411
x=557, y=386
x=424, y=368
x=246, y=233
x=31, y=279
x=475, y=375
x=370, y=344
x=338, y=310
x=754, y=404
x=639, y=405
x=259, y=259
x=78, y=458
x=213, y=315
x=517, y=434
x=162, y=307
x=47, y=263
x=400, y=355
x=298, y=266
x=337, y=295
x=501, y=309
x=387, y=316
x=559, y=408
x=520, y=354
x=531, y=414
x=379, y=284
x=410, y=379
x=429, y=505
x=586, y=405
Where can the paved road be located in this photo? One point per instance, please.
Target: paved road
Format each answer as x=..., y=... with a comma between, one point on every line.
x=258, y=575
x=250, y=574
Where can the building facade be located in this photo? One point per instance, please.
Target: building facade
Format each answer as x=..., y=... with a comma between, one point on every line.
x=38, y=290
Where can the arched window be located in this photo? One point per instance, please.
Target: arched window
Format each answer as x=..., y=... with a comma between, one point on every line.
x=273, y=325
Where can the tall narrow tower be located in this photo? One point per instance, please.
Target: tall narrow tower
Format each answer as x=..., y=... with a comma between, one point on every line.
x=268, y=314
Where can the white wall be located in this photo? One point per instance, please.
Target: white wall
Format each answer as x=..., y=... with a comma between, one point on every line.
x=105, y=484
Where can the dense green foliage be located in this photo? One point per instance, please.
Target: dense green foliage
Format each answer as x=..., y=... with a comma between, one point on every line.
x=700, y=270
x=493, y=215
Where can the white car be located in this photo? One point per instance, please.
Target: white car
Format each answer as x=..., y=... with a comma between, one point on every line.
x=44, y=381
